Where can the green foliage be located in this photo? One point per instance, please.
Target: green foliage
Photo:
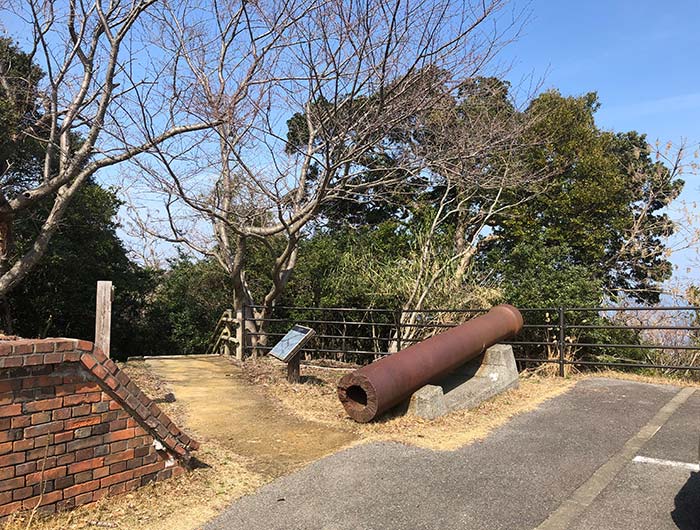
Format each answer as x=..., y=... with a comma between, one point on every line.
x=338, y=269
x=20, y=155
x=605, y=209
x=185, y=306
x=58, y=298
x=535, y=274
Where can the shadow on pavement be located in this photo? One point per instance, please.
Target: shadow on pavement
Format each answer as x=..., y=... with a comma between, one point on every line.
x=687, y=512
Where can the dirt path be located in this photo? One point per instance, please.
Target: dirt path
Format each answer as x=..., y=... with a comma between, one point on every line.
x=221, y=405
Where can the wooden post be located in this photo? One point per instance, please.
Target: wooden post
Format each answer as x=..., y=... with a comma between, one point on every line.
x=103, y=316
x=293, y=373
x=240, y=334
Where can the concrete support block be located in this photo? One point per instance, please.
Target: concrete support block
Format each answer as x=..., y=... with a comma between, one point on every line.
x=480, y=379
x=428, y=402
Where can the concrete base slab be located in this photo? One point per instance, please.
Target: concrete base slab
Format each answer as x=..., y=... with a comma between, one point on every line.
x=480, y=379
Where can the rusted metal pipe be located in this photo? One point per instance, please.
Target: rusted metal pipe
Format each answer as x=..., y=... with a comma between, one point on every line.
x=377, y=387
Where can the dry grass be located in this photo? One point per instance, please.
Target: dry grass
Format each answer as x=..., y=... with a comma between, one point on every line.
x=182, y=503
x=316, y=400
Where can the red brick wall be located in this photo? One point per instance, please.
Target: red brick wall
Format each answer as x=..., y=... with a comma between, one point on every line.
x=71, y=432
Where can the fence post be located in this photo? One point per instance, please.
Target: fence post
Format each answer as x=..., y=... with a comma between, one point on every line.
x=103, y=315
x=240, y=333
x=561, y=342
x=398, y=316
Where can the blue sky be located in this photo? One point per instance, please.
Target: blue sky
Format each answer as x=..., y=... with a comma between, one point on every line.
x=640, y=57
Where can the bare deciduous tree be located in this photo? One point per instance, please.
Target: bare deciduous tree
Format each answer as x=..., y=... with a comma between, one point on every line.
x=110, y=92
x=315, y=130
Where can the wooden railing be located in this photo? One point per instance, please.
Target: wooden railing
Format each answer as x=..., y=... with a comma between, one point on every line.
x=223, y=340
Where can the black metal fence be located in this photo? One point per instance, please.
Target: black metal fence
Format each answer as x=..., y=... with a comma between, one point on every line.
x=664, y=338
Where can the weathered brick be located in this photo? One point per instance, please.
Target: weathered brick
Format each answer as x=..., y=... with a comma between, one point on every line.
x=85, y=454
x=5, y=497
x=19, y=422
x=43, y=404
x=88, y=360
x=10, y=410
x=134, y=463
x=65, y=345
x=42, y=452
x=12, y=459
x=22, y=347
x=83, y=432
x=10, y=435
x=61, y=414
x=44, y=346
x=142, y=451
x=83, y=499
x=53, y=358
x=150, y=468
x=84, y=476
x=111, y=382
x=99, y=494
x=117, y=425
x=133, y=484
x=41, y=417
x=84, y=443
x=42, y=500
x=84, y=345
x=33, y=360
x=12, y=484
x=80, y=410
x=10, y=385
x=100, y=472
x=110, y=365
x=117, y=468
x=115, y=478
x=72, y=356
x=80, y=399
x=86, y=465
x=100, y=407
x=44, y=428
x=22, y=493
x=11, y=362
x=48, y=474
x=64, y=482
x=25, y=469
x=22, y=445
x=82, y=422
x=122, y=378
x=116, y=436
x=118, y=457
x=68, y=458
x=102, y=428
x=86, y=387
x=7, y=509
x=117, y=489
x=79, y=489
x=62, y=437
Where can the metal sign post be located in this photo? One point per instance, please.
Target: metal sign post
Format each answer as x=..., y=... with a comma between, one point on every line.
x=288, y=350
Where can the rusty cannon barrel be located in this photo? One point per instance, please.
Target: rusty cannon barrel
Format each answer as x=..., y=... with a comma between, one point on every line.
x=375, y=388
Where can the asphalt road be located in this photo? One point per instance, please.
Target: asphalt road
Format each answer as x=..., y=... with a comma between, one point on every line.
x=572, y=463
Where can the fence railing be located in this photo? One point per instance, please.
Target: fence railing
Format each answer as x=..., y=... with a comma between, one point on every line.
x=665, y=338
